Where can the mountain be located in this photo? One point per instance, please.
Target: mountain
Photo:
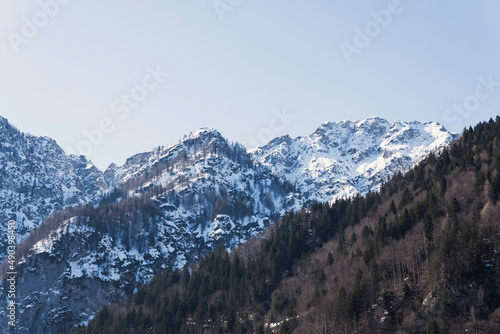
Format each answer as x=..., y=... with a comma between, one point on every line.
x=167, y=207
x=37, y=178
x=422, y=255
x=346, y=158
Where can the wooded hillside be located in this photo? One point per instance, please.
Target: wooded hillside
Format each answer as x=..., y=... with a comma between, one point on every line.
x=419, y=256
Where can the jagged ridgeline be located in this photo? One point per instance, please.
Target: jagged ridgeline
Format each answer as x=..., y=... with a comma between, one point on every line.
x=37, y=178
x=167, y=207
x=420, y=256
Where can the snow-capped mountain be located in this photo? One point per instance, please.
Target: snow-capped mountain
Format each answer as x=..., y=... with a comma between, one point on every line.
x=38, y=178
x=345, y=158
x=166, y=207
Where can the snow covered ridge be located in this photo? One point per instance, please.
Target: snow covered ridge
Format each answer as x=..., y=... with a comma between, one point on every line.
x=37, y=178
x=168, y=206
x=339, y=159
x=345, y=158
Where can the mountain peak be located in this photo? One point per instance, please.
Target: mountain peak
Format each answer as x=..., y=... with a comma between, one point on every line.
x=202, y=132
x=372, y=124
x=370, y=120
x=180, y=201
x=112, y=166
x=341, y=159
x=5, y=125
x=281, y=139
x=205, y=136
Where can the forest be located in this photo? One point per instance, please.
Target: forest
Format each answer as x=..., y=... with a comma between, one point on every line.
x=421, y=255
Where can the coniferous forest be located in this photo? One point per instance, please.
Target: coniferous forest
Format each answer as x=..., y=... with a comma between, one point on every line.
x=419, y=256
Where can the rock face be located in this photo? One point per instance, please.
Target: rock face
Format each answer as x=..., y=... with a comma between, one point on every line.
x=38, y=178
x=166, y=207
x=345, y=158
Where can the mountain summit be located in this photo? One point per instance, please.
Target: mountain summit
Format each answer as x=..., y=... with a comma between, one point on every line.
x=166, y=207
x=342, y=159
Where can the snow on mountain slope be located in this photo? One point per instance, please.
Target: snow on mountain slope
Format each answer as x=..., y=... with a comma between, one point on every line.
x=345, y=158
x=38, y=178
x=168, y=206
x=191, y=148
x=172, y=205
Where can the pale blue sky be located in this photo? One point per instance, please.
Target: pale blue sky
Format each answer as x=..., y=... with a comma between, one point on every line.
x=233, y=74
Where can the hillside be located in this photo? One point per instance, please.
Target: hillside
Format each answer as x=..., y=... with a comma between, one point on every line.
x=169, y=206
x=419, y=256
x=192, y=197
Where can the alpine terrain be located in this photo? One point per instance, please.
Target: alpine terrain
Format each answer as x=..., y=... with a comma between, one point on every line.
x=87, y=238
x=421, y=255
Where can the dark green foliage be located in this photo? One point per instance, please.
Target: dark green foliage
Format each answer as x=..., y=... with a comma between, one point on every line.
x=393, y=207
x=444, y=186
x=406, y=199
x=369, y=252
x=428, y=227
x=220, y=284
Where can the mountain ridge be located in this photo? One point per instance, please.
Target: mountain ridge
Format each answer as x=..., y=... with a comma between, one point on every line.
x=374, y=142
x=166, y=207
x=419, y=256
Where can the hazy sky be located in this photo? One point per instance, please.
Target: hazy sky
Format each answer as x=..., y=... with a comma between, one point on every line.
x=252, y=69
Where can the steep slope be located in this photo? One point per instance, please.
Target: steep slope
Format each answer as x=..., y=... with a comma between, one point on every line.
x=346, y=158
x=166, y=207
x=421, y=256
x=425, y=260
x=205, y=188
x=169, y=206
x=37, y=178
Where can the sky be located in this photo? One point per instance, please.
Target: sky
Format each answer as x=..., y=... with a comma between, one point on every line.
x=108, y=79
